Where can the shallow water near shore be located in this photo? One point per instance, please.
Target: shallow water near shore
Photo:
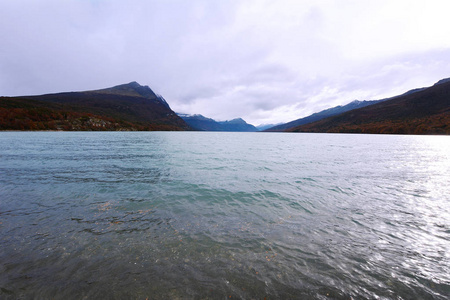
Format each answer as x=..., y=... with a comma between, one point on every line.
x=204, y=215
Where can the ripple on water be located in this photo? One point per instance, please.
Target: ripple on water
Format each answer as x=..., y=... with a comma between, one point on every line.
x=207, y=215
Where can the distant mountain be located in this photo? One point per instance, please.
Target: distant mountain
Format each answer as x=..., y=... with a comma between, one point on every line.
x=237, y=125
x=199, y=122
x=323, y=114
x=263, y=127
x=333, y=112
x=123, y=107
x=423, y=111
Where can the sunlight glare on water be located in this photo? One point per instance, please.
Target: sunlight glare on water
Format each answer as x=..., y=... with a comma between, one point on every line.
x=213, y=215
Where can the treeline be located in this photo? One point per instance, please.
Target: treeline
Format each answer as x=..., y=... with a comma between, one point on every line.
x=30, y=115
x=437, y=124
x=46, y=119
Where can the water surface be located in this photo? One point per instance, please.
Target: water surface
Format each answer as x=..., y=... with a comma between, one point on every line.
x=186, y=215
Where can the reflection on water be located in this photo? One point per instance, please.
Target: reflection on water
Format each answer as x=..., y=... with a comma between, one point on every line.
x=214, y=215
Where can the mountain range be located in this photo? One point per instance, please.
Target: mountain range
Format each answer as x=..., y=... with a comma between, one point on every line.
x=135, y=107
x=421, y=111
x=323, y=114
x=333, y=112
x=199, y=122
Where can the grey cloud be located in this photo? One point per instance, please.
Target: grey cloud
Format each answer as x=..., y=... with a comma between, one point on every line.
x=252, y=59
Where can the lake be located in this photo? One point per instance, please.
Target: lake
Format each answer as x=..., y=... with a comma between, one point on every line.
x=205, y=215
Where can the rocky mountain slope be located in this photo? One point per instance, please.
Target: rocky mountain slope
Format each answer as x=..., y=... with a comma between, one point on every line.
x=123, y=107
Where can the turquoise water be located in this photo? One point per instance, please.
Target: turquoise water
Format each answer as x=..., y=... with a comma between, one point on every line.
x=197, y=215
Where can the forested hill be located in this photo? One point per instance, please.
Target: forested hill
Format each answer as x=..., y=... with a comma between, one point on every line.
x=425, y=111
x=323, y=114
x=123, y=107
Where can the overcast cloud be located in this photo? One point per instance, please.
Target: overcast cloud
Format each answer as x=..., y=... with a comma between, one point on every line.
x=264, y=61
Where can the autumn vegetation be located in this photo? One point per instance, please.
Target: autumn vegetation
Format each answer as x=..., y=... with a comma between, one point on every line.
x=134, y=107
x=424, y=112
x=128, y=107
x=29, y=117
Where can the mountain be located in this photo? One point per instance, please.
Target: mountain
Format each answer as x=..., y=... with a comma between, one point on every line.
x=263, y=127
x=202, y=123
x=133, y=89
x=423, y=111
x=123, y=107
x=333, y=112
x=323, y=114
x=237, y=125
x=199, y=122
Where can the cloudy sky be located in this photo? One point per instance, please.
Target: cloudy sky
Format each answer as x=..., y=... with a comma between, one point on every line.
x=264, y=61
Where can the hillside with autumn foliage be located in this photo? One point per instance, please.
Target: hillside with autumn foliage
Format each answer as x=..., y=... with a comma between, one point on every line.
x=426, y=111
x=124, y=107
